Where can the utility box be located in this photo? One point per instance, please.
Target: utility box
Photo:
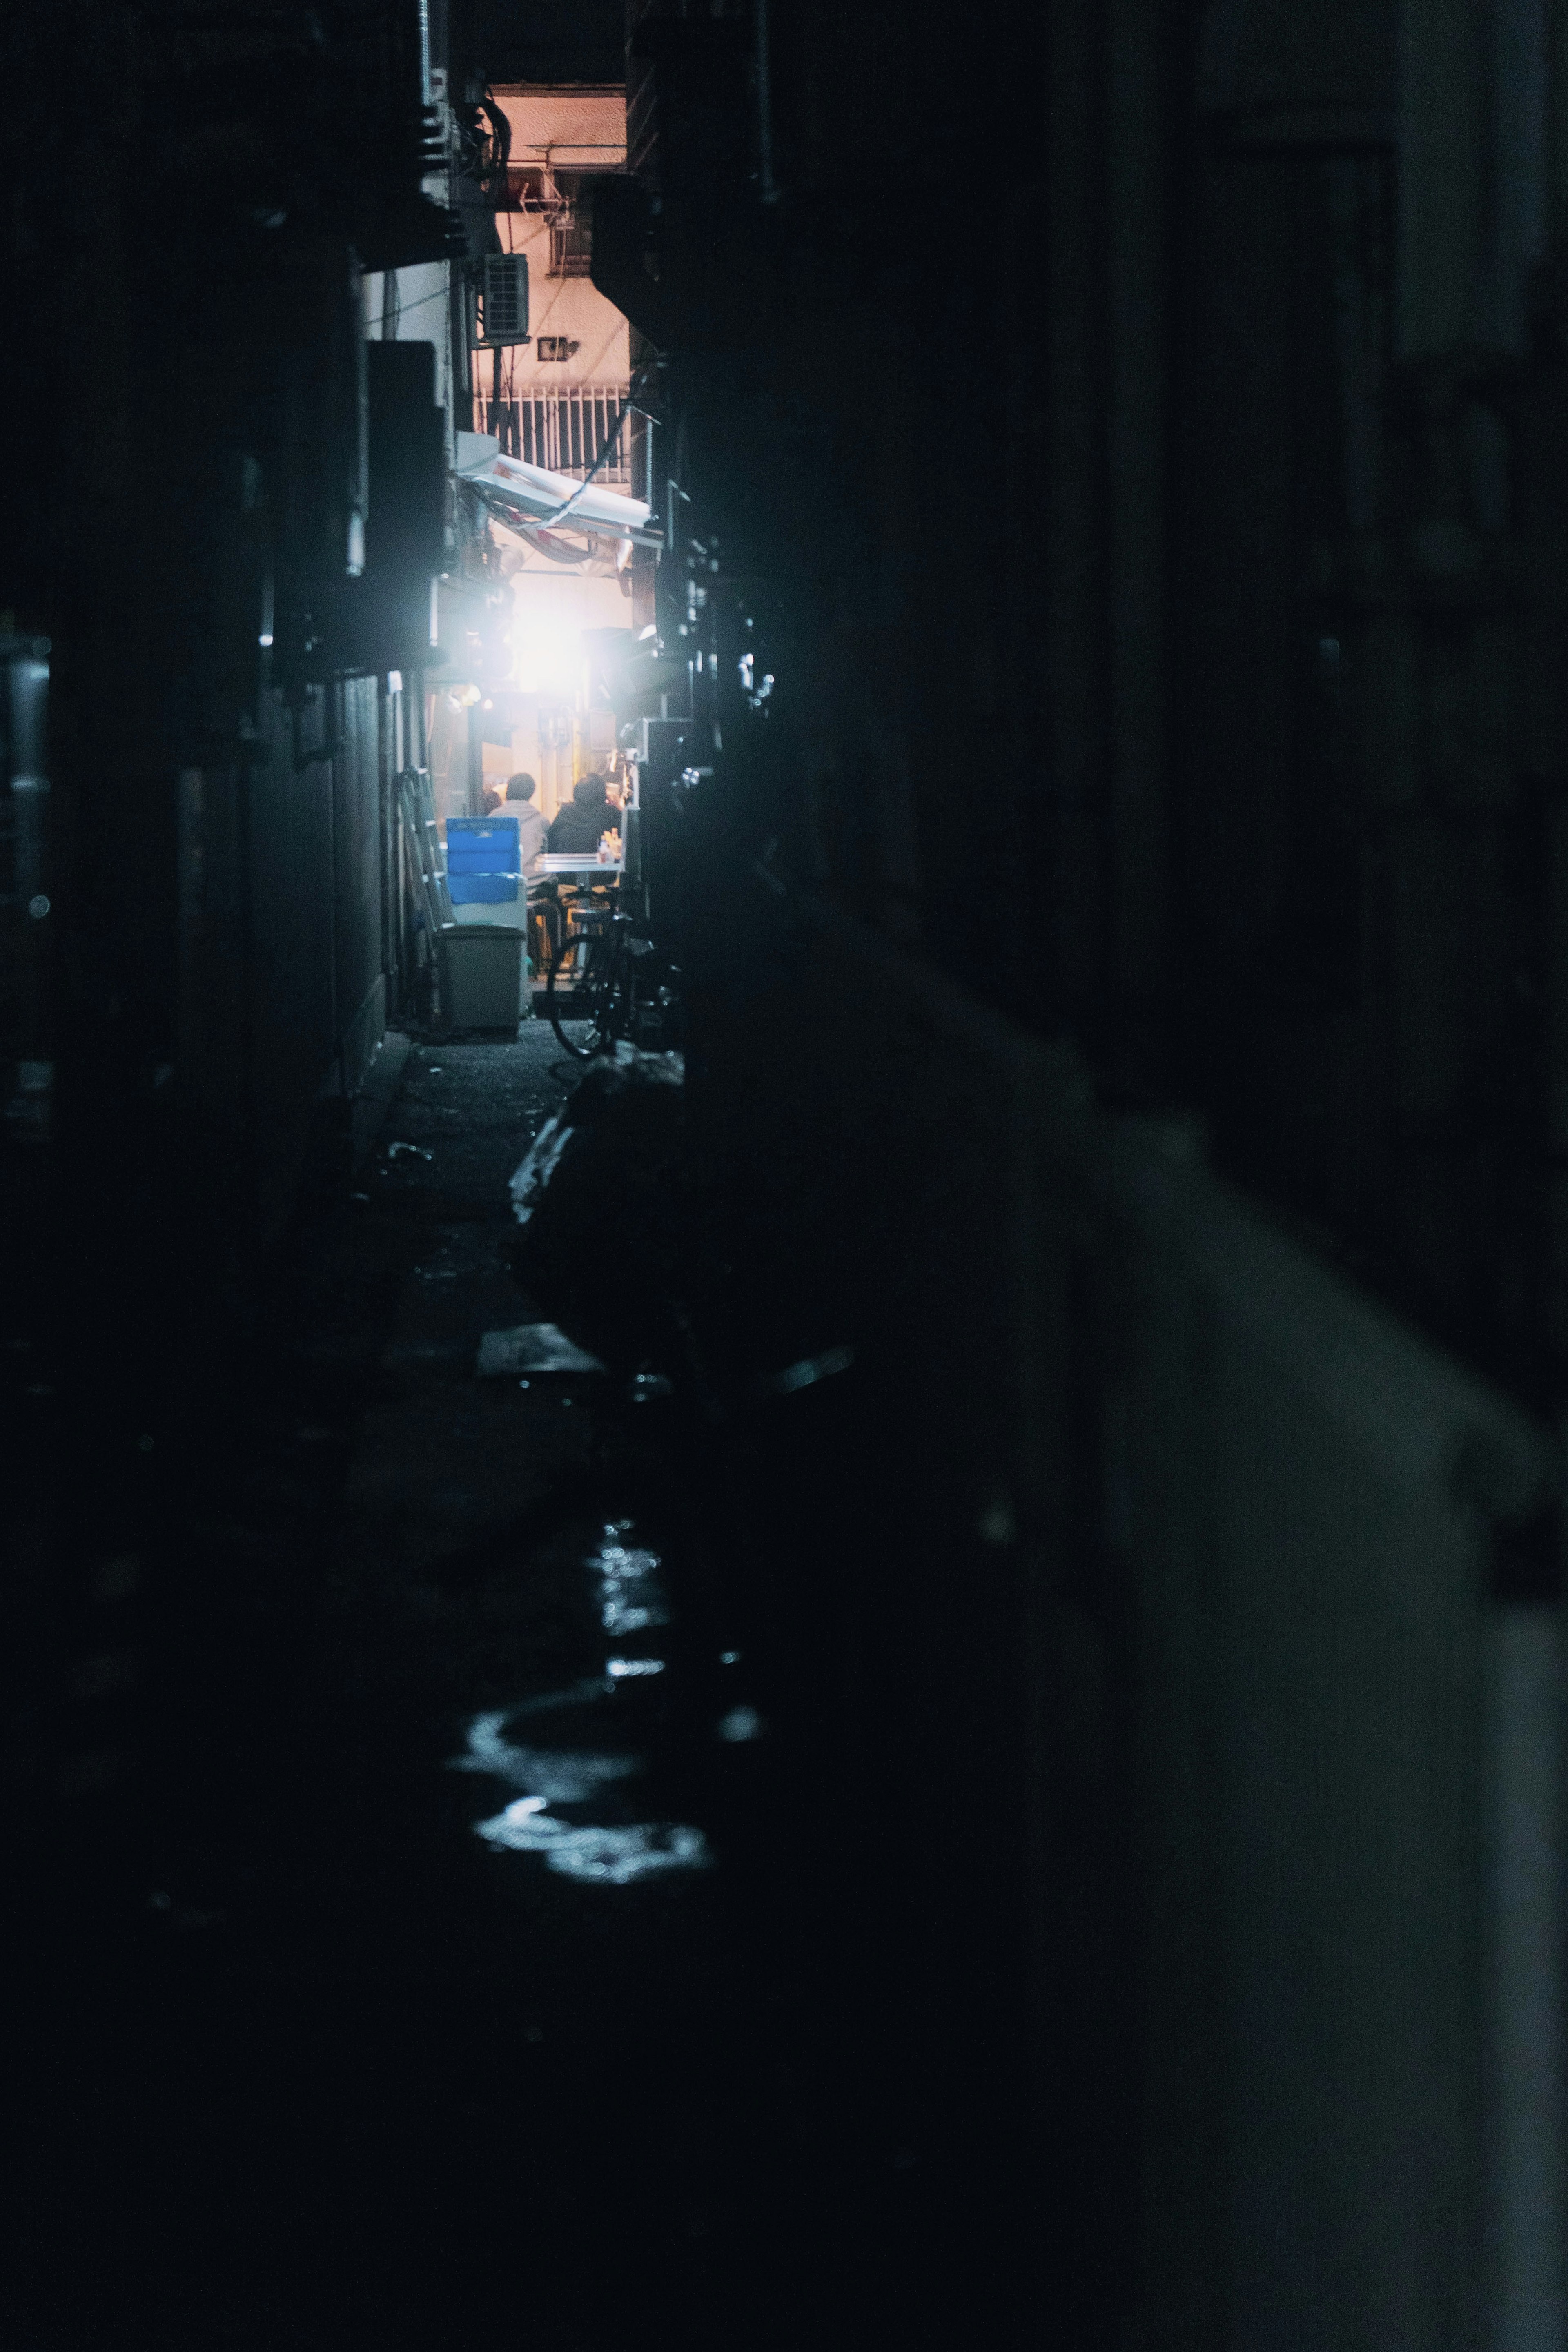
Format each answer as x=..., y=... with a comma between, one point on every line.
x=483, y=983
x=497, y=302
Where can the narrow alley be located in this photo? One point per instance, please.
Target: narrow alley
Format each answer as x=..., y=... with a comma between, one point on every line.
x=784, y=1022
x=467, y=1965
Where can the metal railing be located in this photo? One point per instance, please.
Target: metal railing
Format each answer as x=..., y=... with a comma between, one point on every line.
x=564, y=430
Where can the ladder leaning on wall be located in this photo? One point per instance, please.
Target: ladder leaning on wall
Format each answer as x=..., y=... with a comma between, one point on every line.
x=416, y=807
x=424, y=864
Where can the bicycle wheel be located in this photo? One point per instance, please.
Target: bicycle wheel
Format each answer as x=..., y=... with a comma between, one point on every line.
x=582, y=1013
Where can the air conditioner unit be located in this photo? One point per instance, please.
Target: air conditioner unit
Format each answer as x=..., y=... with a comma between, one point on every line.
x=498, y=301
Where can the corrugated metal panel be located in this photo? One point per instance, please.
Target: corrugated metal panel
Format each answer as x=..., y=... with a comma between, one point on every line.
x=281, y=997
x=357, y=827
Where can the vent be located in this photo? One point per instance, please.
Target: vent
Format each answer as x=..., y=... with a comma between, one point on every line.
x=500, y=305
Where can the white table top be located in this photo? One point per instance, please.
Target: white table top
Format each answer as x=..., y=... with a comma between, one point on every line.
x=564, y=865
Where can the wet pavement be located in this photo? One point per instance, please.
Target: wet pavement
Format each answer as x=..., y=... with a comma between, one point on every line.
x=493, y=1943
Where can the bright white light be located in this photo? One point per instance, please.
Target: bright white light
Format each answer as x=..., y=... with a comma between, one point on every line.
x=546, y=657
x=546, y=635
x=265, y=638
x=618, y=1668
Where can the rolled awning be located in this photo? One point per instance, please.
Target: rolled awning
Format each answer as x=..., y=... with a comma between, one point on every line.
x=532, y=495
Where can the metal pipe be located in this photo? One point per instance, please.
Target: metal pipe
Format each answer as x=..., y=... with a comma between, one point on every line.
x=1529, y=2295
x=334, y=696
x=768, y=184
x=1442, y=138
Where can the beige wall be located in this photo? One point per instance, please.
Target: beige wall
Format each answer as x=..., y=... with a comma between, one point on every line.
x=561, y=131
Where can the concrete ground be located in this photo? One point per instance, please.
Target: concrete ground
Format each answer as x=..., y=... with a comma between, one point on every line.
x=469, y=1966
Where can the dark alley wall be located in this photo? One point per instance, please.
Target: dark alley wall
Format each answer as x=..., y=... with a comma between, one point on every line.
x=967, y=410
x=182, y=535
x=1131, y=437
x=1086, y=403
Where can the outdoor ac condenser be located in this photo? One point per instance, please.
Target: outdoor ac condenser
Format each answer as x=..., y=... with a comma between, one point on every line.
x=497, y=302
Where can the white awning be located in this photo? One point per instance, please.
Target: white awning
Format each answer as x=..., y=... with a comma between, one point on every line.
x=533, y=495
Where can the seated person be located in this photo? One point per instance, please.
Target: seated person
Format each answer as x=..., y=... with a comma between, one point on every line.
x=531, y=829
x=492, y=801
x=576, y=830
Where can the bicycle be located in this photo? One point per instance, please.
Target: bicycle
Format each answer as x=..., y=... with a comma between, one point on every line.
x=619, y=989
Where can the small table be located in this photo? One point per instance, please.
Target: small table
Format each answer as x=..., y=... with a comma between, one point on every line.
x=548, y=868
x=565, y=868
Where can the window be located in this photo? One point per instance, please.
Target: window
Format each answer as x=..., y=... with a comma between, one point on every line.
x=571, y=246
x=553, y=347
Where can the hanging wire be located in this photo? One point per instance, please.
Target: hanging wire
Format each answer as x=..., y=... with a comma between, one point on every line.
x=546, y=523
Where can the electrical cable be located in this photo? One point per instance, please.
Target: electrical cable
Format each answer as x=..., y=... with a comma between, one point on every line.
x=407, y=309
x=546, y=523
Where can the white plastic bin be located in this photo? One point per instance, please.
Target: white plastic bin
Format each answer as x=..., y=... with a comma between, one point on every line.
x=483, y=976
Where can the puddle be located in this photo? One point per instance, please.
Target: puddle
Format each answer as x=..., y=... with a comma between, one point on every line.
x=532, y=1348
x=612, y=1857
x=558, y=1776
x=513, y=1744
x=631, y=1598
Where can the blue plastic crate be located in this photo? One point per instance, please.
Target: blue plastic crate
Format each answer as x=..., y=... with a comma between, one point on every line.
x=483, y=845
x=482, y=889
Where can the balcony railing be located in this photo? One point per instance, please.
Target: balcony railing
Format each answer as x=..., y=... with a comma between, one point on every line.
x=564, y=430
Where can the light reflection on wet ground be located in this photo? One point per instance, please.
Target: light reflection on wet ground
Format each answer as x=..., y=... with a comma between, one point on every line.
x=612, y=1857
x=630, y=1599
x=512, y=1745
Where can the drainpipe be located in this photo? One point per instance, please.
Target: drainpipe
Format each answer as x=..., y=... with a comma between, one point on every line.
x=1474, y=202
x=332, y=699
x=769, y=185
x=1442, y=167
